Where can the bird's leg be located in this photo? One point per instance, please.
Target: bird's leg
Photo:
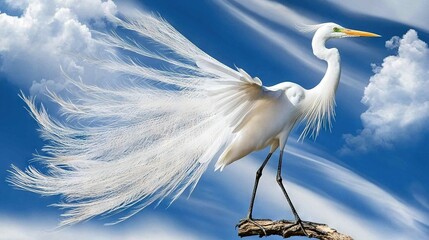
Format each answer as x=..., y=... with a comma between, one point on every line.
x=252, y=200
x=280, y=182
x=255, y=186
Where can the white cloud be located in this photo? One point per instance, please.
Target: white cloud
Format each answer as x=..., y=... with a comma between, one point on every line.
x=46, y=36
x=393, y=43
x=397, y=97
x=412, y=13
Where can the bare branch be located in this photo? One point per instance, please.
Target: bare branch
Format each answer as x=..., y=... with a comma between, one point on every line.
x=287, y=229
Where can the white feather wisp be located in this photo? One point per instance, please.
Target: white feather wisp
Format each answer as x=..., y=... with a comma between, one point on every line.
x=132, y=144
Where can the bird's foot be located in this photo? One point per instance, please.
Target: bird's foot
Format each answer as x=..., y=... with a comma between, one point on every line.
x=299, y=223
x=302, y=227
x=252, y=221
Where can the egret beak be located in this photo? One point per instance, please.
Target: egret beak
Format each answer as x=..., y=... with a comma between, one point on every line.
x=356, y=33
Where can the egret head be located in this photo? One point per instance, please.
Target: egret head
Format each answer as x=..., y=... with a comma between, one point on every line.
x=337, y=31
x=333, y=30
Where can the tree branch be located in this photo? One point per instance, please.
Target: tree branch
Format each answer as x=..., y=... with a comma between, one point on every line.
x=287, y=229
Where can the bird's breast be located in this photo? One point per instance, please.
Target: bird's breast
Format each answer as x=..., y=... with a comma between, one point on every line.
x=268, y=125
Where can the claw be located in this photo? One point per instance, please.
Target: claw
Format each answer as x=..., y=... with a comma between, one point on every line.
x=243, y=221
x=302, y=227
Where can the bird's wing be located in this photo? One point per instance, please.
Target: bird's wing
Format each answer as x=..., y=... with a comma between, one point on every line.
x=235, y=93
x=152, y=136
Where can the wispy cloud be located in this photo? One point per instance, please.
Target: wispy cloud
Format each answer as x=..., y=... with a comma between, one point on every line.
x=412, y=13
x=153, y=227
x=316, y=193
x=284, y=42
x=278, y=13
x=397, y=97
x=378, y=199
x=291, y=46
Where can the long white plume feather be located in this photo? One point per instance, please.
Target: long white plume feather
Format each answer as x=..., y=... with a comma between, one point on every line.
x=308, y=27
x=135, y=143
x=151, y=136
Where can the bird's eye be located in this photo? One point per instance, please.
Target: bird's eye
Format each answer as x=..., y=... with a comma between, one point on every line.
x=336, y=29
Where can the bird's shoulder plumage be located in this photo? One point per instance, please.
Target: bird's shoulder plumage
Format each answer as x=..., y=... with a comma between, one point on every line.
x=235, y=93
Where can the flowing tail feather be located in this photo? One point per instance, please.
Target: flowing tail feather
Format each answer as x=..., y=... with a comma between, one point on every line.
x=132, y=144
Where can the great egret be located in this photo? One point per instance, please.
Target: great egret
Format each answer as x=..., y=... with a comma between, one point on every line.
x=137, y=143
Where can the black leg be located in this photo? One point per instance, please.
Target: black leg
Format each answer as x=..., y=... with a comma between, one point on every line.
x=252, y=200
x=255, y=187
x=280, y=182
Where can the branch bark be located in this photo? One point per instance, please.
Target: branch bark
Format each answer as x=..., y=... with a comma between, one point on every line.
x=287, y=229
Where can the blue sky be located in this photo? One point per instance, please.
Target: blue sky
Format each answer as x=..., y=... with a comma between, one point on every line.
x=367, y=177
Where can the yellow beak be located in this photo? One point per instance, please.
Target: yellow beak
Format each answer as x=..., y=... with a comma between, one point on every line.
x=357, y=33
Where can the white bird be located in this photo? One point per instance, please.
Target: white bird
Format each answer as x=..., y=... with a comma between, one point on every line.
x=137, y=143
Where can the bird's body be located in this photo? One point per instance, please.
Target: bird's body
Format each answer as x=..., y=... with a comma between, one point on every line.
x=139, y=143
x=279, y=106
x=285, y=104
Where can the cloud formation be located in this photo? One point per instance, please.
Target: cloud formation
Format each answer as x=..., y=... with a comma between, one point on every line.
x=397, y=96
x=46, y=36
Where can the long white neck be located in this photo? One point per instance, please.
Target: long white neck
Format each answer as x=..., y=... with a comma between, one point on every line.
x=320, y=100
x=331, y=79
